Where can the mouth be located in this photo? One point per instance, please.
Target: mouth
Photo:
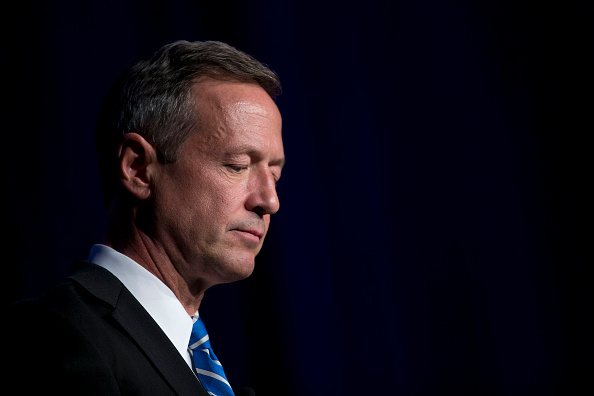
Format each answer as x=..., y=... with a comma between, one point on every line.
x=257, y=233
x=253, y=235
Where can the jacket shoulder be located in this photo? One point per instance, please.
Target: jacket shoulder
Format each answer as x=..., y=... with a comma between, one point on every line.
x=89, y=290
x=45, y=339
x=70, y=341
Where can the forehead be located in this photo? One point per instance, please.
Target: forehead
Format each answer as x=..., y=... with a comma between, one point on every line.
x=233, y=113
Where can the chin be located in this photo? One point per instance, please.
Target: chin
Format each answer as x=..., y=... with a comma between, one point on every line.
x=237, y=269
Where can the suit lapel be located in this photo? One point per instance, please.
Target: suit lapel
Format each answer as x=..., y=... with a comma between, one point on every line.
x=140, y=326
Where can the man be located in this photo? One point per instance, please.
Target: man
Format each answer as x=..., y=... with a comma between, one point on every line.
x=190, y=150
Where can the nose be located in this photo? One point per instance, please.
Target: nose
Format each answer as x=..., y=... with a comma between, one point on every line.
x=263, y=198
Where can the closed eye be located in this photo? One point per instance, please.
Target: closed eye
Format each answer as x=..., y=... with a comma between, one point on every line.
x=237, y=168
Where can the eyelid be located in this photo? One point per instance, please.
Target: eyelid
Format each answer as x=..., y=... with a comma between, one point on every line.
x=237, y=168
x=276, y=178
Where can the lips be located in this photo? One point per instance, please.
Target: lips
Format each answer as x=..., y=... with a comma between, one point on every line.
x=257, y=233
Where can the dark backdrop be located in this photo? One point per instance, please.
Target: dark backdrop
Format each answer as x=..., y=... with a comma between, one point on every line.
x=432, y=238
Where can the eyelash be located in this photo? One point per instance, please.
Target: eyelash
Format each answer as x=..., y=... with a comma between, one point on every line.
x=237, y=168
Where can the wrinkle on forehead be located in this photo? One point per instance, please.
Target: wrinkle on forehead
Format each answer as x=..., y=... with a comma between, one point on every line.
x=245, y=113
x=247, y=107
x=226, y=106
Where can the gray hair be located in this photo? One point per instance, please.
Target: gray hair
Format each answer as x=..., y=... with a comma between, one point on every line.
x=154, y=98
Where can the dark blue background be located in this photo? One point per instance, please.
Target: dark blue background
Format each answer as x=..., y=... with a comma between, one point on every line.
x=432, y=238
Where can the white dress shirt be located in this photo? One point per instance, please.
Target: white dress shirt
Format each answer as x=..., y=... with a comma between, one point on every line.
x=158, y=300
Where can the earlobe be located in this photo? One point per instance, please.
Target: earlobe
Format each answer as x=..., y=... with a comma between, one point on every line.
x=136, y=162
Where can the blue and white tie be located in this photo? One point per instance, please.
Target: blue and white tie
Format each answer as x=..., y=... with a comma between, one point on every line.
x=207, y=365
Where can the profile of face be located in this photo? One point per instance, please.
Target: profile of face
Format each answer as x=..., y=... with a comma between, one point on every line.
x=212, y=206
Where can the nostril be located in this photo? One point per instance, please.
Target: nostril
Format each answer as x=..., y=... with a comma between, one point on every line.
x=260, y=211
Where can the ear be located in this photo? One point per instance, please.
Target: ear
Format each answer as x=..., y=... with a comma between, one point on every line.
x=137, y=162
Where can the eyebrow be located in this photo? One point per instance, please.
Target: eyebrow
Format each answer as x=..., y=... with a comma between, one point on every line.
x=279, y=162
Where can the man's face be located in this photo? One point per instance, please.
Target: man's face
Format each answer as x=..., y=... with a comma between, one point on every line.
x=212, y=206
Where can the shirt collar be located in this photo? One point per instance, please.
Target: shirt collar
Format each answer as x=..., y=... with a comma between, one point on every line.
x=158, y=300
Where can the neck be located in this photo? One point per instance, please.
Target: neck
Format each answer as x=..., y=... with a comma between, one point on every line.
x=130, y=240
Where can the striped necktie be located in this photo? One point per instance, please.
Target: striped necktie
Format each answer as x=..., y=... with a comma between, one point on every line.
x=207, y=365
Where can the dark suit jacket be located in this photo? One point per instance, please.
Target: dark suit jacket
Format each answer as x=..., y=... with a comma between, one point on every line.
x=90, y=336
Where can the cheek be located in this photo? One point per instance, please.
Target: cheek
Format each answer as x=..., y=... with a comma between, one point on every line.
x=228, y=194
x=213, y=204
x=205, y=198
